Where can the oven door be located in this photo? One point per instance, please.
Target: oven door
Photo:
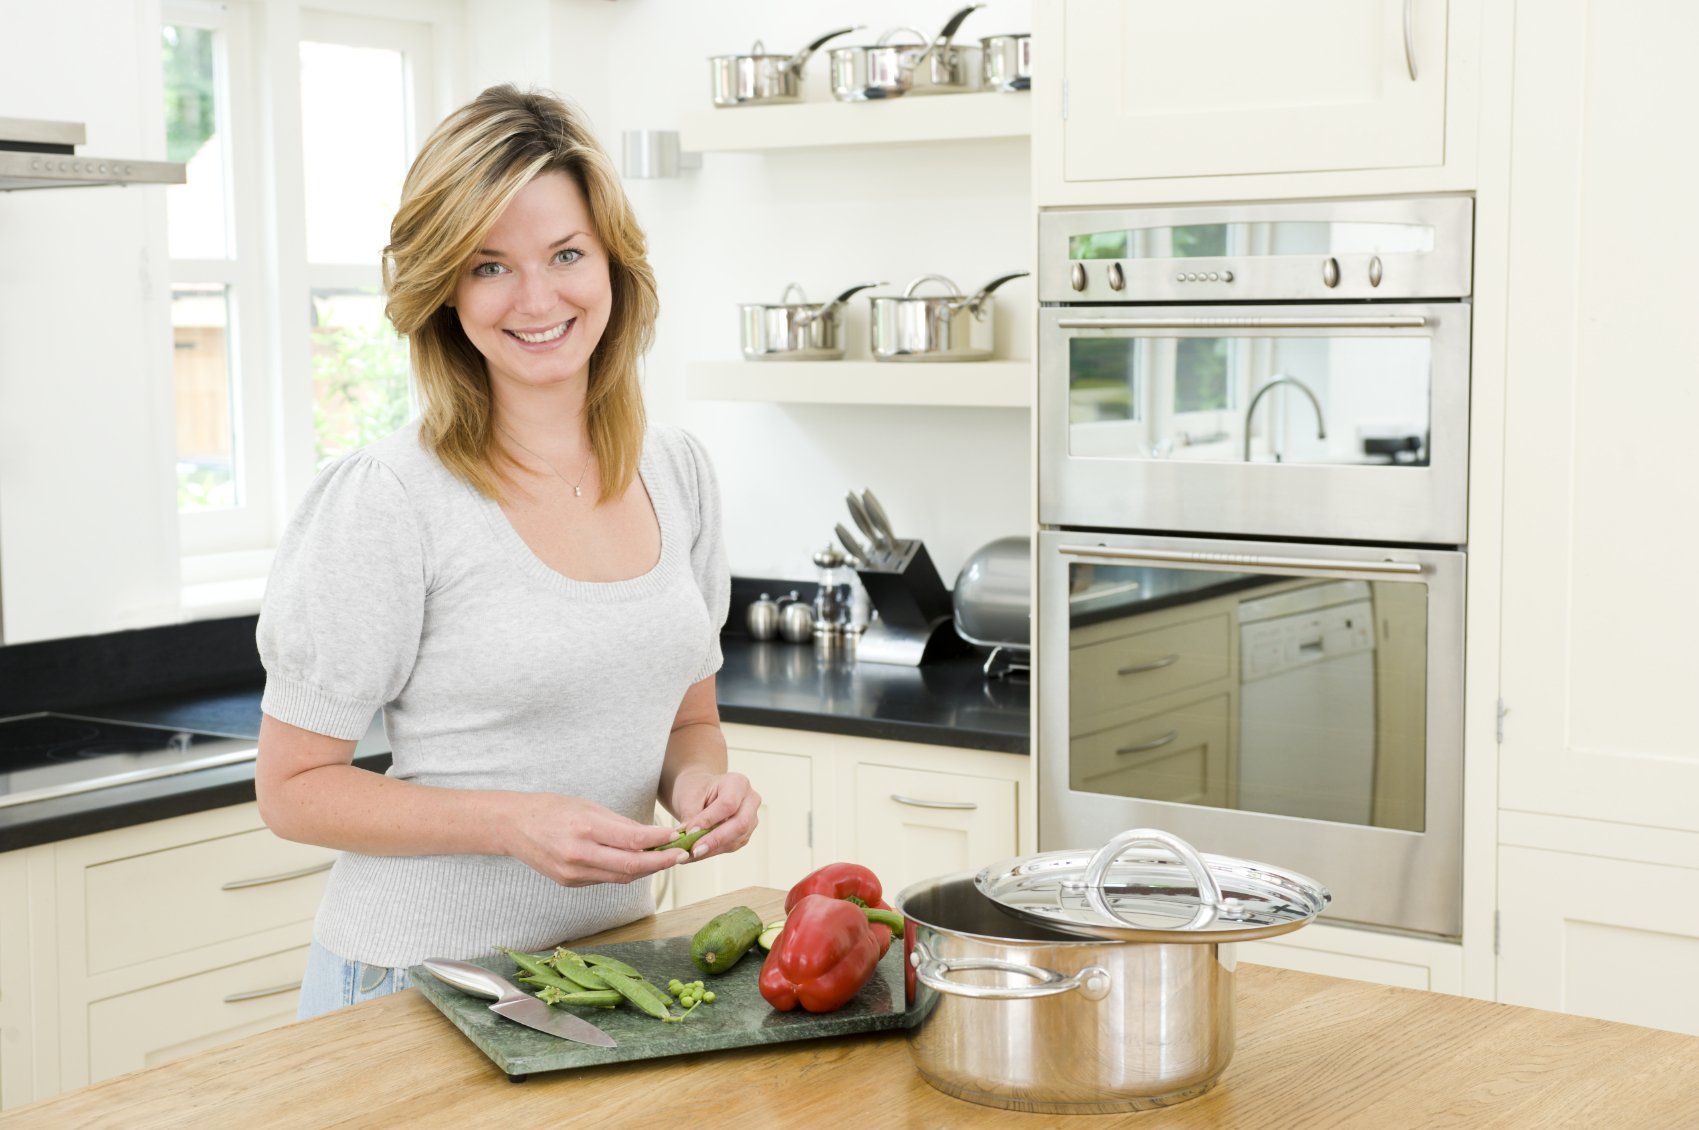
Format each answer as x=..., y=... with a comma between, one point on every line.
x=1299, y=704
x=1340, y=422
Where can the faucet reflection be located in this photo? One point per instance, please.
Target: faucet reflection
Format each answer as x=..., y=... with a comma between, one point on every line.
x=1250, y=411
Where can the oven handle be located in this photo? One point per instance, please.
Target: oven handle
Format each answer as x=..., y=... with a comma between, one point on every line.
x=1192, y=557
x=1342, y=322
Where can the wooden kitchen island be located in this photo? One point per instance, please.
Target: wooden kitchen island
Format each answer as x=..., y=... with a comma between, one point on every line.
x=1312, y=1051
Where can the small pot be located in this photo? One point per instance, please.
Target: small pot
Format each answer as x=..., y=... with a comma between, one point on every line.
x=948, y=327
x=762, y=618
x=761, y=78
x=887, y=70
x=1008, y=63
x=796, y=620
x=1023, y=998
x=796, y=331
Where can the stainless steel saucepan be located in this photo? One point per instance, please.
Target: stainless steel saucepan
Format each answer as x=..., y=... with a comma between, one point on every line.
x=1008, y=62
x=796, y=330
x=761, y=78
x=890, y=70
x=935, y=327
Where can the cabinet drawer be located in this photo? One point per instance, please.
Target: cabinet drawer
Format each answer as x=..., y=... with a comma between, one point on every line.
x=1179, y=755
x=913, y=824
x=1122, y=672
x=165, y=1022
x=165, y=902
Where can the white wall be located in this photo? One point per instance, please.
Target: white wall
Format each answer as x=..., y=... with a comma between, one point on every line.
x=744, y=225
x=88, y=527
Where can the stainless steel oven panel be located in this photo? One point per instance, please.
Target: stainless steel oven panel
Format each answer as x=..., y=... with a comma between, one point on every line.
x=1441, y=271
x=1381, y=877
x=1424, y=504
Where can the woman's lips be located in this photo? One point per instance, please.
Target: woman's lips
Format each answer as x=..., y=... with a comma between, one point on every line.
x=560, y=333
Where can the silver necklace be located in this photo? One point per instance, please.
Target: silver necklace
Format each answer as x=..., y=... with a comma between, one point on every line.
x=578, y=487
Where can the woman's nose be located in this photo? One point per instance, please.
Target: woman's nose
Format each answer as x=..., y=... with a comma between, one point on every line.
x=536, y=294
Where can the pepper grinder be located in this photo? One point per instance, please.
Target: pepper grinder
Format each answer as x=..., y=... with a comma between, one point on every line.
x=833, y=598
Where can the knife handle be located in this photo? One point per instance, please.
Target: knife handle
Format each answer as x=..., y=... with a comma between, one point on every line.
x=473, y=979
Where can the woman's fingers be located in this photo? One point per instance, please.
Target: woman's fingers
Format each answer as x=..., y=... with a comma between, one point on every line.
x=627, y=865
x=725, y=796
x=618, y=832
x=733, y=832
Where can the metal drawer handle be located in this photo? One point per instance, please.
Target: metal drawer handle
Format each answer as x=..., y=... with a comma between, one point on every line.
x=1410, y=37
x=1153, y=665
x=959, y=805
x=1337, y=322
x=934, y=972
x=256, y=994
x=1146, y=747
x=243, y=884
x=1255, y=561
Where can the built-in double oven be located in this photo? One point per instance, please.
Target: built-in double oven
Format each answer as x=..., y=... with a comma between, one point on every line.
x=1253, y=466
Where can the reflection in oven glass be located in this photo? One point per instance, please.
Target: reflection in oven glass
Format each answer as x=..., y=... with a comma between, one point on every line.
x=1286, y=695
x=1249, y=240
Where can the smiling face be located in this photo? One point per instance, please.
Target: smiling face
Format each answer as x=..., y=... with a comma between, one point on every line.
x=536, y=296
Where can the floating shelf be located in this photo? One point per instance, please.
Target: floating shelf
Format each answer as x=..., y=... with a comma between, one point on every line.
x=957, y=384
x=810, y=125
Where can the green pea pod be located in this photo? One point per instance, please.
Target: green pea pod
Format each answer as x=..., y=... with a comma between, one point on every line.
x=684, y=842
x=606, y=998
x=603, y=964
x=581, y=975
x=531, y=963
x=640, y=993
x=552, y=980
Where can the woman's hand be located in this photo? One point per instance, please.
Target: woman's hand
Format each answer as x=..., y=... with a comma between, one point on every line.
x=578, y=843
x=724, y=802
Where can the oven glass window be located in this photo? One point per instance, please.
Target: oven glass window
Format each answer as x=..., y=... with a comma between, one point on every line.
x=1251, y=240
x=1286, y=695
x=1291, y=397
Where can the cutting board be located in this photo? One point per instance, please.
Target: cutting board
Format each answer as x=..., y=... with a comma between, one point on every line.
x=738, y=1018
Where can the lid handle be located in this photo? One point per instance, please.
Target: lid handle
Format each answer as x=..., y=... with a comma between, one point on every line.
x=1097, y=872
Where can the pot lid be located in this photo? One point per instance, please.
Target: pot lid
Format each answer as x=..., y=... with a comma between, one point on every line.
x=1147, y=885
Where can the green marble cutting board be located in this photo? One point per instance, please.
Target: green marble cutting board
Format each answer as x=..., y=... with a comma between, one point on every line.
x=739, y=1017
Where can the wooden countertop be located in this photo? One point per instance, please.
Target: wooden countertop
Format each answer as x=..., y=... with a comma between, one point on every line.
x=1312, y=1051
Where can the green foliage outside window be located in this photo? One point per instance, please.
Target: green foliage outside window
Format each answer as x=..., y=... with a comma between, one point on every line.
x=191, y=117
x=360, y=375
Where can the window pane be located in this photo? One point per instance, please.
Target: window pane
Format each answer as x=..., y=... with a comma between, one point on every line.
x=354, y=141
x=196, y=212
x=206, y=442
x=360, y=386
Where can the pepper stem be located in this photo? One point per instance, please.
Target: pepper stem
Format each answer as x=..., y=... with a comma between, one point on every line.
x=885, y=918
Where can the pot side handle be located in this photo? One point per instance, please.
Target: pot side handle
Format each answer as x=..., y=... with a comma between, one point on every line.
x=1092, y=982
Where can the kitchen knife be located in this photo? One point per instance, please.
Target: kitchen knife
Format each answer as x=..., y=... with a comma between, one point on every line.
x=849, y=543
x=515, y=1003
x=881, y=520
x=862, y=521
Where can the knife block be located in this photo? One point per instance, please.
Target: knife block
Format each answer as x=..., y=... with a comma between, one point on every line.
x=916, y=623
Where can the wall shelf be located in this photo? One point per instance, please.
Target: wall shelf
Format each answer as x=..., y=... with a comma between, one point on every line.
x=961, y=384
x=810, y=125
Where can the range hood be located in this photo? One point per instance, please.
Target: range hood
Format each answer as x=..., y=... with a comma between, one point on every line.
x=40, y=154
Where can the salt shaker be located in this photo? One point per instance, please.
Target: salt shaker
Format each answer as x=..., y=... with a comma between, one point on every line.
x=833, y=598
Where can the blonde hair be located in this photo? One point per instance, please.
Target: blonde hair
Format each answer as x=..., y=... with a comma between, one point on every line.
x=467, y=172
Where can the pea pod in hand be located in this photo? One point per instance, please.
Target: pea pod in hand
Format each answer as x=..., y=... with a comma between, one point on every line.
x=683, y=842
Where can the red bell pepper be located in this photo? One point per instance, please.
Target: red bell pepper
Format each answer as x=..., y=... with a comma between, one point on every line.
x=852, y=882
x=824, y=956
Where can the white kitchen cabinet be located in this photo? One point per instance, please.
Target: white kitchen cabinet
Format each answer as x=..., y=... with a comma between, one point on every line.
x=1224, y=87
x=1362, y=955
x=781, y=850
x=16, y=1043
x=912, y=824
x=1613, y=938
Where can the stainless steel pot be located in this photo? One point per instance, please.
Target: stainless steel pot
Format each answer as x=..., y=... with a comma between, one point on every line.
x=1008, y=62
x=949, y=327
x=761, y=78
x=1012, y=1013
x=795, y=331
x=887, y=70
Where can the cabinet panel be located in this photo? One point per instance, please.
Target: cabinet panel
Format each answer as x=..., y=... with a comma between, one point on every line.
x=1179, y=755
x=1107, y=678
x=913, y=824
x=165, y=1022
x=1609, y=938
x=1218, y=87
x=1363, y=955
x=780, y=852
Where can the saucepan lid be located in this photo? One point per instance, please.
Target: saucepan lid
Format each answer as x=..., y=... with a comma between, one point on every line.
x=1147, y=885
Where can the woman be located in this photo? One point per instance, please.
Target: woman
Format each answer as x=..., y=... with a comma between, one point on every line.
x=529, y=581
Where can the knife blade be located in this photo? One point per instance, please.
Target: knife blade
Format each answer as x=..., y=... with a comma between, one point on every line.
x=862, y=521
x=880, y=518
x=854, y=547
x=515, y=1003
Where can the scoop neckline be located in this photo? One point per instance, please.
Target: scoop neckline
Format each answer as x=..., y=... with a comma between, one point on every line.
x=643, y=584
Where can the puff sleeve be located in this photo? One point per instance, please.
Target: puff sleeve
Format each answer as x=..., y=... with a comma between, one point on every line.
x=345, y=603
x=708, y=554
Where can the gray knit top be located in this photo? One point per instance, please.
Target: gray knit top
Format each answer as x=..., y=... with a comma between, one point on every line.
x=398, y=586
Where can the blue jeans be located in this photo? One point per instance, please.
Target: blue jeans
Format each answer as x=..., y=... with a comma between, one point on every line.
x=333, y=982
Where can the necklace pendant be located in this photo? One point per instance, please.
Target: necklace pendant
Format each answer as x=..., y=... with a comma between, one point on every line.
x=578, y=492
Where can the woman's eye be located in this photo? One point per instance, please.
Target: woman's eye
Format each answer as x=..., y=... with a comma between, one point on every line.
x=488, y=270
x=572, y=251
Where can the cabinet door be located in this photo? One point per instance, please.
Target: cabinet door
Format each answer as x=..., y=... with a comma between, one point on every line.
x=1218, y=87
x=780, y=852
x=1611, y=938
x=166, y=1022
x=913, y=824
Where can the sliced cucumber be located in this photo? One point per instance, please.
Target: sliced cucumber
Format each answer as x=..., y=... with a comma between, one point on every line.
x=770, y=934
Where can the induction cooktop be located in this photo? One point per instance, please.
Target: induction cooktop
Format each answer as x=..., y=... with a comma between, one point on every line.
x=51, y=755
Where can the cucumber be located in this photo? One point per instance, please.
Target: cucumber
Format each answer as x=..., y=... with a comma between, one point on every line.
x=770, y=934
x=726, y=938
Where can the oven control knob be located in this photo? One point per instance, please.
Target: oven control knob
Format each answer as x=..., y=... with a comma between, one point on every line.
x=1374, y=271
x=1330, y=271
x=1076, y=275
x=1117, y=277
